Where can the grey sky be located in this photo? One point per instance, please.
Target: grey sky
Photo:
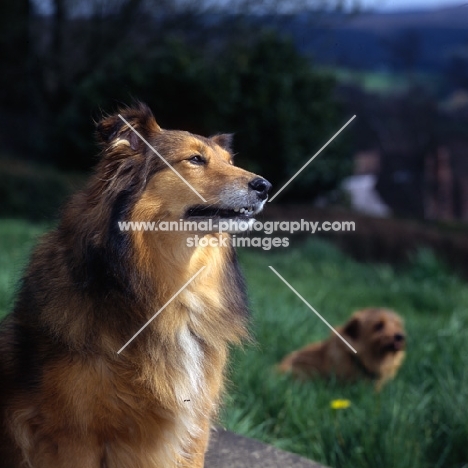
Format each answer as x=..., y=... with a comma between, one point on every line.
x=384, y=5
x=411, y=4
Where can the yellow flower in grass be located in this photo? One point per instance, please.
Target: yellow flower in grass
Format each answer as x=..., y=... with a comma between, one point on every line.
x=340, y=404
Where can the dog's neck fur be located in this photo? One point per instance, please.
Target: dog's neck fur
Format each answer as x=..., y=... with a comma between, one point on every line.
x=362, y=367
x=207, y=298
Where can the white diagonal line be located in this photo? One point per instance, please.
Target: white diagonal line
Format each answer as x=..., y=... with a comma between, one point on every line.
x=157, y=153
x=161, y=309
x=311, y=308
x=312, y=158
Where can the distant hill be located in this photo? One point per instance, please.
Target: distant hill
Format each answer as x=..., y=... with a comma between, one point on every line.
x=425, y=40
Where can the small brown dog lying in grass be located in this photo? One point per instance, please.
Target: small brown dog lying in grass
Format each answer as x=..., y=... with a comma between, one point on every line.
x=376, y=334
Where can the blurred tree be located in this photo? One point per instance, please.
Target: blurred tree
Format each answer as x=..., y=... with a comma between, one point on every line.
x=14, y=47
x=80, y=56
x=283, y=112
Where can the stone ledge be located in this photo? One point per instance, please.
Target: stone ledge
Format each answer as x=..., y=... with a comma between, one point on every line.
x=229, y=450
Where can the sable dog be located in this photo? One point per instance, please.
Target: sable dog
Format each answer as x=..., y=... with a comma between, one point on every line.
x=67, y=398
x=376, y=334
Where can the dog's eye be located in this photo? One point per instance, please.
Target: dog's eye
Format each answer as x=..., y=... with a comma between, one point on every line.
x=378, y=326
x=197, y=159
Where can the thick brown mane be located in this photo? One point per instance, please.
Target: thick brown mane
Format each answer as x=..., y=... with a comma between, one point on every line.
x=90, y=286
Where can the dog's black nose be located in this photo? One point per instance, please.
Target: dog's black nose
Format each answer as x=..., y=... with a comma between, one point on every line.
x=399, y=337
x=261, y=186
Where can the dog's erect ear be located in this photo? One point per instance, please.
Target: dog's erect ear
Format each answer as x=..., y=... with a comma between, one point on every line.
x=352, y=328
x=116, y=128
x=224, y=140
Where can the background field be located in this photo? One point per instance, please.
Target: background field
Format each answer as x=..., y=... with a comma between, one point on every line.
x=418, y=421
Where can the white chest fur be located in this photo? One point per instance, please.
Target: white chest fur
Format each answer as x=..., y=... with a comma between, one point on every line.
x=190, y=386
x=192, y=355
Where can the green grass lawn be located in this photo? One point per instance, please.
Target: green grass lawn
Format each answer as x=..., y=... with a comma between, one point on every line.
x=17, y=238
x=418, y=420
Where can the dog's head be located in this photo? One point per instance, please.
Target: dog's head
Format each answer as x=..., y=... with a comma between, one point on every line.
x=182, y=175
x=375, y=333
